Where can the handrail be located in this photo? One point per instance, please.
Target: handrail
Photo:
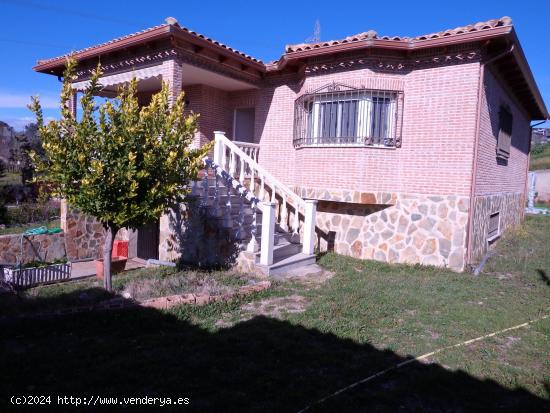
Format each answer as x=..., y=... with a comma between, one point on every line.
x=246, y=144
x=278, y=184
x=249, y=148
x=269, y=209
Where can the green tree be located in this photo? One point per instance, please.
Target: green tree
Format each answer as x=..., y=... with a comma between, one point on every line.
x=25, y=143
x=121, y=163
x=2, y=168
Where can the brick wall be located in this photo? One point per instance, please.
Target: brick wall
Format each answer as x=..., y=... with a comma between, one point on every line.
x=499, y=186
x=492, y=177
x=437, y=138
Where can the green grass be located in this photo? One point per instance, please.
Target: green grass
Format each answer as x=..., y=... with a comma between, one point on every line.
x=540, y=159
x=19, y=229
x=143, y=283
x=366, y=318
x=10, y=178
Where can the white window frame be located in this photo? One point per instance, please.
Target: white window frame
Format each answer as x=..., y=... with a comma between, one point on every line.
x=364, y=121
x=497, y=234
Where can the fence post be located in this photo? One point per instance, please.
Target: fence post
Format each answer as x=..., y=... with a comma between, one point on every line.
x=218, y=147
x=310, y=214
x=268, y=233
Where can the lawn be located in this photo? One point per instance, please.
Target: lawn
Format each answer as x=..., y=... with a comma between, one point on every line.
x=10, y=178
x=282, y=349
x=138, y=284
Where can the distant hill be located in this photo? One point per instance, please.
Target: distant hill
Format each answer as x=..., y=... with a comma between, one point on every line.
x=7, y=140
x=540, y=157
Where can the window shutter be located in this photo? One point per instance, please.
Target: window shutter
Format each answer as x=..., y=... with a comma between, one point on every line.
x=504, y=140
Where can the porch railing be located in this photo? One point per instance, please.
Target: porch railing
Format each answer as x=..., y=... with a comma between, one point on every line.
x=251, y=149
x=278, y=203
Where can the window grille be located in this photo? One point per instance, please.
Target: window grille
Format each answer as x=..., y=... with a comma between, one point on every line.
x=494, y=226
x=341, y=115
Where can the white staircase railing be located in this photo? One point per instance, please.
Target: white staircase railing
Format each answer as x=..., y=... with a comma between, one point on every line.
x=251, y=149
x=287, y=207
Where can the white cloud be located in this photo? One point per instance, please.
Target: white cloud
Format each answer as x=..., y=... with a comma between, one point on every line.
x=19, y=100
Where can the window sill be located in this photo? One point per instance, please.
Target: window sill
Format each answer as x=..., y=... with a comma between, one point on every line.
x=343, y=145
x=493, y=238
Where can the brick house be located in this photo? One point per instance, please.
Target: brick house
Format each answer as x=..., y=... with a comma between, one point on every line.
x=415, y=150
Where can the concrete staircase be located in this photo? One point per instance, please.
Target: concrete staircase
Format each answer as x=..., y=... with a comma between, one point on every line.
x=224, y=204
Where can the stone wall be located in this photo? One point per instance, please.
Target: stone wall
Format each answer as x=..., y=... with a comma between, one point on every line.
x=45, y=247
x=509, y=206
x=393, y=227
x=84, y=234
x=192, y=235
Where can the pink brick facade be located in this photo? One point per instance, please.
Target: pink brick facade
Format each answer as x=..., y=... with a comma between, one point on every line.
x=499, y=187
x=439, y=121
x=491, y=177
x=422, y=187
x=434, y=165
x=428, y=199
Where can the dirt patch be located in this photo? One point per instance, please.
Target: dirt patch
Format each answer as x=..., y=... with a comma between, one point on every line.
x=311, y=275
x=186, y=282
x=433, y=335
x=506, y=343
x=276, y=307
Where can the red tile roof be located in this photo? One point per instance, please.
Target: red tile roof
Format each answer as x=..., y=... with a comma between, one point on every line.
x=371, y=34
x=495, y=28
x=170, y=22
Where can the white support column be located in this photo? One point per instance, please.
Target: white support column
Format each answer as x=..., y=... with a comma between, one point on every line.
x=268, y=233
x=218, y=148
x=309, y=226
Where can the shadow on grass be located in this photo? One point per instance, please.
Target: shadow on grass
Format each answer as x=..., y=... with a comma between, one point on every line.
x=544, y=277
x=261, y=365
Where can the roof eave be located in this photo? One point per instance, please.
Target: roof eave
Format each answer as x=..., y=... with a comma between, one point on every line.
x=529, y=78
x=201, y=42
x=155, y=34
x=398, y=44
x=152, y=35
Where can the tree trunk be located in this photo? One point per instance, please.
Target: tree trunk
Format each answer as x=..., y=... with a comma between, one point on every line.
x=110, y=234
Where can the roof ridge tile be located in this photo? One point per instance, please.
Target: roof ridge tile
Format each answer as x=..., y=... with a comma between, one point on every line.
x=371, y=34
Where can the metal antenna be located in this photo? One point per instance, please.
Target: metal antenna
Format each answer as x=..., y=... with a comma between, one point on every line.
x=316, y=33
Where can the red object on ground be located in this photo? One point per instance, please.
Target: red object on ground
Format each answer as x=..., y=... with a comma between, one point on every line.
x=120, y=249
x=117, y=265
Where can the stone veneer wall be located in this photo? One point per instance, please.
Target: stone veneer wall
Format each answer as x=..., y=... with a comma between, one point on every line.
x=393, y=227
x=46, y=247
x=510, y=206
x=85, y=235
x=190, y=235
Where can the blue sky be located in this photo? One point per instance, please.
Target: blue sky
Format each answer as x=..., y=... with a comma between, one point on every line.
x=34, y=29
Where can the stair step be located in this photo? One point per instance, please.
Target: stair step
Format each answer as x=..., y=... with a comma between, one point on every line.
x=282, y=250
x=287, y=263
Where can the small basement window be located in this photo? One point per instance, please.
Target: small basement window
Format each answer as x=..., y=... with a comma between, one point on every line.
x=494, y=226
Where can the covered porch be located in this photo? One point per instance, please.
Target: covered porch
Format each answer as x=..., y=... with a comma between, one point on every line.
x=223, y=102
